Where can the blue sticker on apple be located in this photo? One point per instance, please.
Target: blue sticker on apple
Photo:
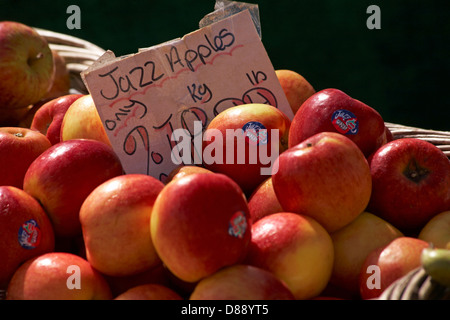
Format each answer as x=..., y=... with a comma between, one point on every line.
x=345, y=122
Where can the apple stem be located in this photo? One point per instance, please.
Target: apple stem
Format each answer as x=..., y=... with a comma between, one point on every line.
x=18, y=134
x=38, y=56
x=415, y=172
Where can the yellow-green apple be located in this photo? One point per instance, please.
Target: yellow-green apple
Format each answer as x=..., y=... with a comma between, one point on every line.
x=57, y=276
x=120, y=206
x=294, y=247
x=263, y=201
x=296, y=88
x=19, y=147
x=332, y=110
x=49, y=117
x=437, y=231
x=353, y=243
x=388, y=263
x=184, y=170
x=149, y=291
x=65, y=174
x=26, y=65
x=241, y=282
x=82, y=121
x=25, y=229
x=193, y=217
x=326, y=177
x=61, y=78
x=411, y=183
x=241, y=140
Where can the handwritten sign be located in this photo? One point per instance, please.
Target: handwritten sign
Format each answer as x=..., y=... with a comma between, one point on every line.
x=142, y=98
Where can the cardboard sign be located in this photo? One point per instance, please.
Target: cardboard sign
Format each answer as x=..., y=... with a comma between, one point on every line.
x=142, y=98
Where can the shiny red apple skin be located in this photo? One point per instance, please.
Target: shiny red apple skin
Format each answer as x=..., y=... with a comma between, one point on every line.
x=411, y=183
x=248, y=174
x=25, y=230
x=46, y=277
x=193, y=217
x=19, y=147
x=326, y=177
x=316, y=113
x=49, y=117
x=65, y=174
x=26, y=65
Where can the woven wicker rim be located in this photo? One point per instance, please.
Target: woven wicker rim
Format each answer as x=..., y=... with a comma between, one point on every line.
x=80, y=54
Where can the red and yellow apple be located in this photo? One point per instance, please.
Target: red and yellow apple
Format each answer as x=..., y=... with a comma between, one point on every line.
x=353, y=243
x=149, y=291
x=49, y=117
x=411, y=183
x=25, y=229
x=184, y=170
x=332, y=110
x=296, y=88
x=155, y=275
x=241, y=282
x=57, y=276
x=263, y=201
x=82, y=121
x=19, y=147
x=326, y=177
x=296, y=248
x=241, y=139
x=115, y=219
x=389, y=263
x=26, y=65
x=13, y=117
x=65, y=174
x=437, y=231
x=193, y=217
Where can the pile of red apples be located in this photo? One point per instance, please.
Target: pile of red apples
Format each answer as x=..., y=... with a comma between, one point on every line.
x=347, y=210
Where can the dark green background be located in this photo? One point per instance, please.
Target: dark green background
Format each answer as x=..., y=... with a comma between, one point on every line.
x=401, y=70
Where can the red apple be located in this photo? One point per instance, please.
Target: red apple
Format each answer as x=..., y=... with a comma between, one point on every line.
x=334, y=111
x=193, y=217
x=296, y=88
x=13, y=117
x=155, y=275
x=243, y=136
x=82, y=121
x=437, y=231
x=326, y=177
x=263, y=201
x=389, y=263
x=65, y=174
x=353, y=243
x=149, y=291
x=183, y=171
x=49, y=117
x=61, y=78
x=25, y=229
x=411, y=182
x=26, y=65
x=19, y=147
x=120, y=206
x=241, y=282
x=58, y=276
x=294, y=247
